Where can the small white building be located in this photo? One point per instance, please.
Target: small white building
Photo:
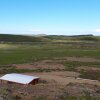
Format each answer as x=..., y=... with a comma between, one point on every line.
x=19, y=79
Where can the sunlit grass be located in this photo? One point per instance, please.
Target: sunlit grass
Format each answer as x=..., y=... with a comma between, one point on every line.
x=13, y=53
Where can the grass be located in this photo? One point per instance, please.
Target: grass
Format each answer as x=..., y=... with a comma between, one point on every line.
x=14, y=70
x=87, y=74
x=29, y=53
x=80, y=98
x=75, y=64
x=91, y=74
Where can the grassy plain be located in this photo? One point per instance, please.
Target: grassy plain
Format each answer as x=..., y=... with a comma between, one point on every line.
x=23, y=53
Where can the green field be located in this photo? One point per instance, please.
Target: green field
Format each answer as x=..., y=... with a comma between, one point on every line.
x=23, y=53
x=23, y=49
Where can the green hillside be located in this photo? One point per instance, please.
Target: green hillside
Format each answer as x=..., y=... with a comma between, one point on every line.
x=21, y=38
x=5, y=38
x=74, y=38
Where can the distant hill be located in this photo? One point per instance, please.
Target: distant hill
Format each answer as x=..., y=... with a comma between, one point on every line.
x=21, y=38
x=81, y=35
x=47, y=38
x=88, y=37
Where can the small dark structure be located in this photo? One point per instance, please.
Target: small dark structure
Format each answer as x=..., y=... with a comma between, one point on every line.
x=19, y=79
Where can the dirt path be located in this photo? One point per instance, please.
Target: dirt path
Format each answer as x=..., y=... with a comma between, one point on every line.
x=64, y=78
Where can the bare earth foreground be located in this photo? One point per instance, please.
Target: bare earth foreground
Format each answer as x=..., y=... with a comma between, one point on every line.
x=58, y=84
x=60, y=77
x=52, y=86
x=64, y=78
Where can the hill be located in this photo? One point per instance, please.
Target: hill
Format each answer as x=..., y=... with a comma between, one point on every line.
x=74, y=37
x=5, y=38
x=21, y=38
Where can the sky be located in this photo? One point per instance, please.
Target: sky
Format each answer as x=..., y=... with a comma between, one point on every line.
x=53, y=17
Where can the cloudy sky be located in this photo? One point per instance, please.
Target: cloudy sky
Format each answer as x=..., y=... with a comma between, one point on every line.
x=68, y=17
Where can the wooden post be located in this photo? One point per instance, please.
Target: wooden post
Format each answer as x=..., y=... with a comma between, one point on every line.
x=1, y=81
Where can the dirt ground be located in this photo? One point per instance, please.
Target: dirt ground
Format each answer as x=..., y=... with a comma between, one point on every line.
x=63, y=78
x=53, y=64
x=60, y=77
x=49, y=64
x=53, y=85
x=48, y=92
x=87, y=68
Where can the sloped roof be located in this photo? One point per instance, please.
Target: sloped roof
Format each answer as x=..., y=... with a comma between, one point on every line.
x=18, y=78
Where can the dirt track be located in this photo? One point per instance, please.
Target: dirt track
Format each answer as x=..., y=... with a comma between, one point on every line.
x=64, y=78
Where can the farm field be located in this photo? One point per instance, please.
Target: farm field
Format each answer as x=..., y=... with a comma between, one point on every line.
x=67, y=70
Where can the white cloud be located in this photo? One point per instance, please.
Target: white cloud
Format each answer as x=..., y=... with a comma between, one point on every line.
x=94, y=31
x=97, y=30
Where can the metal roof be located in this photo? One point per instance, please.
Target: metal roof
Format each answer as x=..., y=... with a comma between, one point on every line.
x=18, y=78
